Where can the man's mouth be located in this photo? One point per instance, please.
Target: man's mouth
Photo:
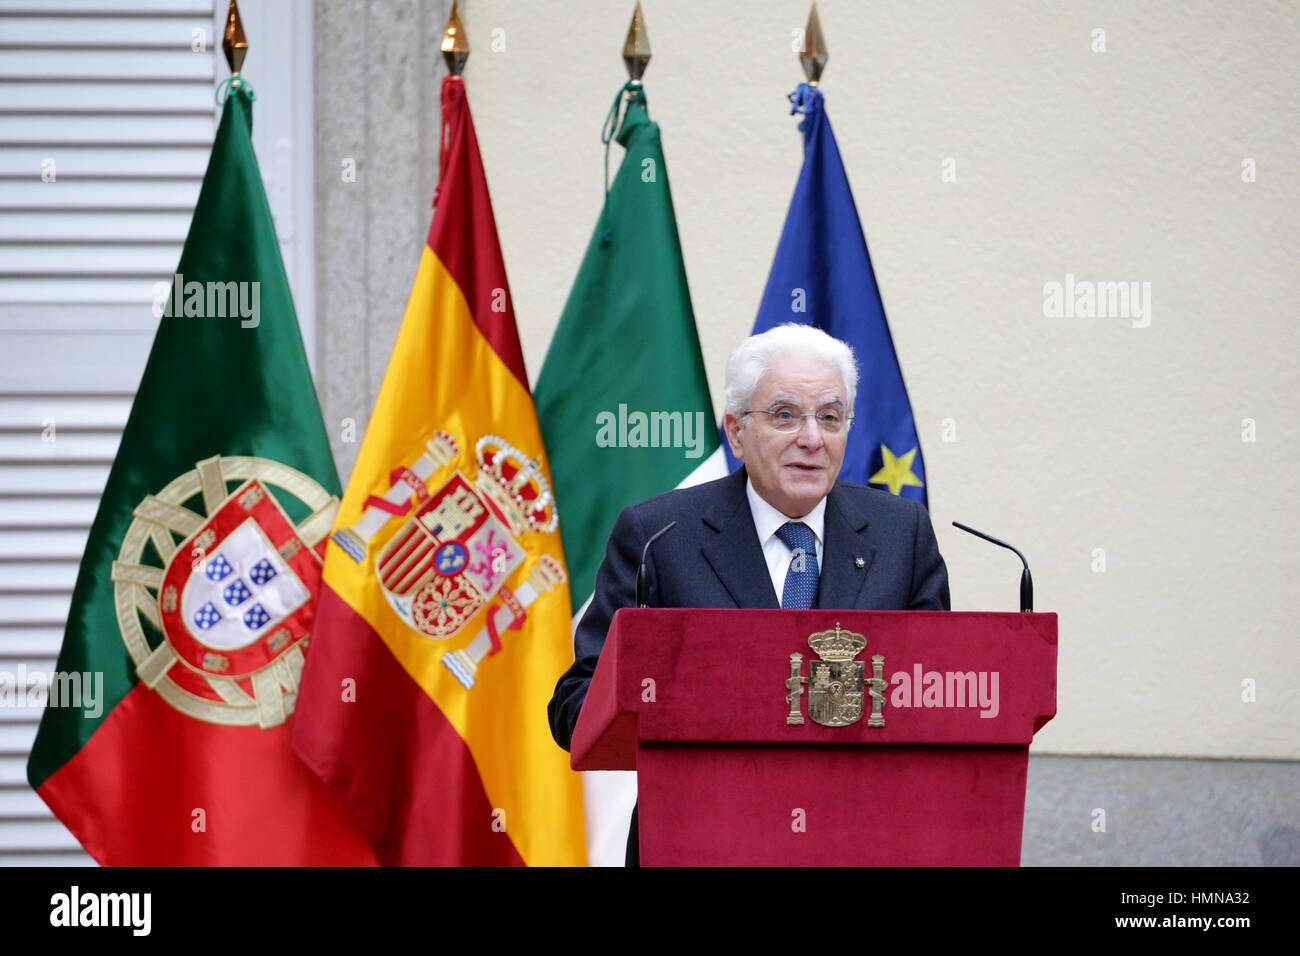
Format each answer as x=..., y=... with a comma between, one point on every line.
x=803, y=466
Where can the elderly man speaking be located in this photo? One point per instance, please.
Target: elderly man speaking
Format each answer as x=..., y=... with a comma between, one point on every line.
x=780, y=532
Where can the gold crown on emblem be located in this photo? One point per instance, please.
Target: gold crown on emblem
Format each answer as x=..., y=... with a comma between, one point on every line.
x=442, y=448
x=515, y=484
x=837, y=645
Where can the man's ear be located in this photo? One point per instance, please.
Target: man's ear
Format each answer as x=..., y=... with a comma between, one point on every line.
x=731, y=425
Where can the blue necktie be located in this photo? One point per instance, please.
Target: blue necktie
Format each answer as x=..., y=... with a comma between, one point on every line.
x=800, y=590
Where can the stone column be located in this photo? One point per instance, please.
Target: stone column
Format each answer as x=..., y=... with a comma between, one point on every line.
x=378, y=75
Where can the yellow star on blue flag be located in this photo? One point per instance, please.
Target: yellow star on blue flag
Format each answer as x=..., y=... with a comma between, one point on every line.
x=897, y=472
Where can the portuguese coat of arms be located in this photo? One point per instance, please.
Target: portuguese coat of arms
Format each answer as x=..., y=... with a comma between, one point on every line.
x=235, y=599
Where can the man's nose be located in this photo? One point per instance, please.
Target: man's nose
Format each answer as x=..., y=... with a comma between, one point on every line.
x=810, y=433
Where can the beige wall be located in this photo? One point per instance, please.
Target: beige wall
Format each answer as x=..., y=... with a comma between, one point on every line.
x=1072, y=434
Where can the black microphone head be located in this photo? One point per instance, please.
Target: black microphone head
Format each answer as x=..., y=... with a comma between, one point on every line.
x=1026, y=591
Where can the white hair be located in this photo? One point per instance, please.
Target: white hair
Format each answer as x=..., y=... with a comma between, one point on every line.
x=757, y=355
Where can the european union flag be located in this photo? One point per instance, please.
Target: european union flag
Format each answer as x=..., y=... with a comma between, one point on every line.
x=822, y=276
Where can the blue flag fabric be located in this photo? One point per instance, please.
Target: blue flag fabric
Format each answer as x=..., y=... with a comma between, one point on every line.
x=822, y=276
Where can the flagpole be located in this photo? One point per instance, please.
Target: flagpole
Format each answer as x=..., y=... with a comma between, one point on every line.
x=455, y=44
x=234, y=43
x=814, y=55
x=636, y=52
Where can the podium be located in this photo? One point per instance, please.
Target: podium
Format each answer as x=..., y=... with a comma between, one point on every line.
x=724, y=715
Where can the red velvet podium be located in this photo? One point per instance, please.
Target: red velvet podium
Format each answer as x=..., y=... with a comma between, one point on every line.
x=700, y=704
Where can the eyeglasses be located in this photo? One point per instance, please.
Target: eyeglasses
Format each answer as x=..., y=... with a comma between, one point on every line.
x=788, y=420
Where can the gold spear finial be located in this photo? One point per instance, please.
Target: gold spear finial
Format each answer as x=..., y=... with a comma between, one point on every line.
x=813, y=56
x=234, y=43
x=455, y=44
x=636, y=50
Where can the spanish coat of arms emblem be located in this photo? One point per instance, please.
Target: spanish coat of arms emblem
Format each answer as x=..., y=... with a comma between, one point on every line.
x=458, y=545
x=837, y=685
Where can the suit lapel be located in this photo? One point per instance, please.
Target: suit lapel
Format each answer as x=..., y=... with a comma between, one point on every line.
x=735, y=554
x=841, y=578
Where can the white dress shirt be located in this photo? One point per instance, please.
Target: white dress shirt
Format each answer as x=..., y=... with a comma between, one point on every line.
x=776, y=552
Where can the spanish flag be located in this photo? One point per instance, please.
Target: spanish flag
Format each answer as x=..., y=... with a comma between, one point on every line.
x=444, y=612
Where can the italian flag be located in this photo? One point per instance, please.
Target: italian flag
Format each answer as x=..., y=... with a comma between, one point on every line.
x=196, y=595
x=623, y=398
x=444, y=613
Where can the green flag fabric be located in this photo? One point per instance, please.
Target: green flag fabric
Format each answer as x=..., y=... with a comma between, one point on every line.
x=622, y=397
x=194, y=600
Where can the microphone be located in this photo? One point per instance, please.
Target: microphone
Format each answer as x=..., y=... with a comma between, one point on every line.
x=1026, y=581
x=642, y=585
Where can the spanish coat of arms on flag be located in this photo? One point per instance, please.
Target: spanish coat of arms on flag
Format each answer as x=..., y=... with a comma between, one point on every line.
x=444, y=610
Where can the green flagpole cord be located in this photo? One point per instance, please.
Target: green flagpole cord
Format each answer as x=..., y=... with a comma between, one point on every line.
x=608, y=133
x=232, y=84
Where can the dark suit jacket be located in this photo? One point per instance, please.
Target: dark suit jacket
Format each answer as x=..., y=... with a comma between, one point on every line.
x=712, y=558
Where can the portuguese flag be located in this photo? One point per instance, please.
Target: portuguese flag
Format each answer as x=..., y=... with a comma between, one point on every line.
x=196, y=595
x=444, y=615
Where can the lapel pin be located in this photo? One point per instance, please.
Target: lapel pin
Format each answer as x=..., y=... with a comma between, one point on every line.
x=859, y=563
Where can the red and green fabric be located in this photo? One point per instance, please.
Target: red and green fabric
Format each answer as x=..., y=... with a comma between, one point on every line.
x=197, y=590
